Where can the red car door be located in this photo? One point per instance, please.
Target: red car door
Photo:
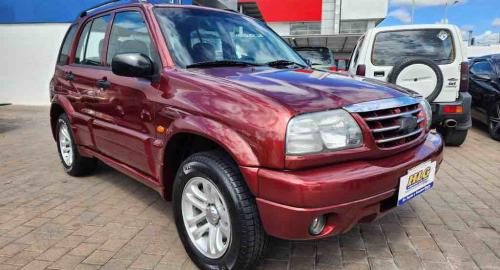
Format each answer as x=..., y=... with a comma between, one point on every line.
x=82, y=75
x=125, y=131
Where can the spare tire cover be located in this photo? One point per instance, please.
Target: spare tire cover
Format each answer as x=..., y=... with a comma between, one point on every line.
x=420, y=75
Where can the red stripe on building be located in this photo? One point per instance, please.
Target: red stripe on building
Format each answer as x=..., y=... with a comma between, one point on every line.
x=288, y=10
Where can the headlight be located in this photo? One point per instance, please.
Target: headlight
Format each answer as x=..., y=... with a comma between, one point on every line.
x=322, y=131
x=428, y=112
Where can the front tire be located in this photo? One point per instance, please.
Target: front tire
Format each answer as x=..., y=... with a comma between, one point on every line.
x=215, y=213
x=74, y=164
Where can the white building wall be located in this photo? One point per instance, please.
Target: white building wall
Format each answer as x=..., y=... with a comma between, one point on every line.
x=281, y=28
x=364, y=9
x=328, y=17
x=29, y=53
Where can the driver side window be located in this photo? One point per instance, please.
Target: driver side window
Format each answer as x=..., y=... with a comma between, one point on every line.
x=129, y=34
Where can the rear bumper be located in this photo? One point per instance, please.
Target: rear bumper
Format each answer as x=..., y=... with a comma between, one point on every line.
x=464, y=120
x=347, y=193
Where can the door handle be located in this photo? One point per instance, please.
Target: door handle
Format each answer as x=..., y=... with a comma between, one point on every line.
x=103, y=84
x=68, y=76
x=379, y=73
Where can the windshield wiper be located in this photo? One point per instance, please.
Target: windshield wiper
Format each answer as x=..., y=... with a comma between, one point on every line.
x=281, y=63
x=221, y=63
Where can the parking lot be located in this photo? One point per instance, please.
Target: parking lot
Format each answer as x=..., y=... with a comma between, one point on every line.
x=49, y=220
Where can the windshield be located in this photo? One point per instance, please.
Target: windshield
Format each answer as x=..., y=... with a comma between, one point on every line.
x=317, y=56
x=196, y=35
x=433, y=44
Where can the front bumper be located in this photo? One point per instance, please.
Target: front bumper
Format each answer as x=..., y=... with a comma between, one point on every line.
x=347, y=193
x=464, y=120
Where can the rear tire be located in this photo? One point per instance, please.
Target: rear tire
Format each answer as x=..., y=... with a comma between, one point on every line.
x=494, y=123
x=246, y=241
x=453, y=137
x=74, y=164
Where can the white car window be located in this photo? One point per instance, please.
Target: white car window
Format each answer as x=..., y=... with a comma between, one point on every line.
x=435, y=44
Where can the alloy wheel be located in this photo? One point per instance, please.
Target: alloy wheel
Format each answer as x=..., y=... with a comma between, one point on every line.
x=65, y=144
x=206, y=217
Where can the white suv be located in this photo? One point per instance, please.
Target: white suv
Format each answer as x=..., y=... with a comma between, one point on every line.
x=428, y=59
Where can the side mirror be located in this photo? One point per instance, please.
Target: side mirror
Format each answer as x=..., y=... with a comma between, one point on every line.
x=132, y=65
x=483, y=77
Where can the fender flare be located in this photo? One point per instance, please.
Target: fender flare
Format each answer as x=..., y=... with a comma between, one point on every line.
x=66, y=106
x=224, y=136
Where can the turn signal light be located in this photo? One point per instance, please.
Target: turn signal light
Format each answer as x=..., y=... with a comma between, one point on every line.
x=160, y=129
x=453, y=109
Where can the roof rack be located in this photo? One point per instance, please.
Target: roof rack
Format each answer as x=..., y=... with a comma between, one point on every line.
x=84, y=13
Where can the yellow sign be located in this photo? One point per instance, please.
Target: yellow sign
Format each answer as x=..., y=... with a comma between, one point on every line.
x=418, y=177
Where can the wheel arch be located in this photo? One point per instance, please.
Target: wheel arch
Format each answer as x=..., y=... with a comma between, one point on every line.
x=197, y=134
x=59, y=106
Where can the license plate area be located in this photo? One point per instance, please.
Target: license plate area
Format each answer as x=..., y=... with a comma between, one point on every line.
x=418, y=180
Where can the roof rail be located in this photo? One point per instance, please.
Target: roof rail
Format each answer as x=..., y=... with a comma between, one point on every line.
x=84, y=13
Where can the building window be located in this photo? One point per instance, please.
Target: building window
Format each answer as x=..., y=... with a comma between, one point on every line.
x=353, y=27
x=305, y=28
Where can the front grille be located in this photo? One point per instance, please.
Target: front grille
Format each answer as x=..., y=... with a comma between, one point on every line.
x=386, y=125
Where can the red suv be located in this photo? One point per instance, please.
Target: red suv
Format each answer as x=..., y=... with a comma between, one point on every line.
x=218, y=114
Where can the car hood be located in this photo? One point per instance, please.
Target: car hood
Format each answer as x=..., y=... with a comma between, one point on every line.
x=304, y=90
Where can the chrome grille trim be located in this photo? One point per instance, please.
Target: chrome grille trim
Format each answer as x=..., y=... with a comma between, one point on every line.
x=385, y=117
x=400, y=137
x=381, y=104
x=419, y=120
x=376, y=130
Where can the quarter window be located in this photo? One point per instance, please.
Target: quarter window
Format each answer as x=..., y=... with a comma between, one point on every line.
x=66, y=46
x=80, y=50
x=129, y=34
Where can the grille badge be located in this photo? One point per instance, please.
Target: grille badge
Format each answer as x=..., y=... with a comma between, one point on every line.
x=407, y=123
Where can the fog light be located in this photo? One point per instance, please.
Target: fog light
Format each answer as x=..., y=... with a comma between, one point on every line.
x=317, y=225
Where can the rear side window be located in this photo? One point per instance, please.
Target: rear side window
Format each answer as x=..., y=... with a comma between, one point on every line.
x=433, y=44
x=66, y=46
x=91, y=44
x=129, y=34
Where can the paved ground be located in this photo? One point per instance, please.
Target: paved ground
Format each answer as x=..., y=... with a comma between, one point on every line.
x=108, y=221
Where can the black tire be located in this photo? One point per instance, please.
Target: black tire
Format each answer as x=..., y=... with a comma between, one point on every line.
x=404, y=63
x=81, y=165
x=453, y=137
x=248, y=239
x=494, y=122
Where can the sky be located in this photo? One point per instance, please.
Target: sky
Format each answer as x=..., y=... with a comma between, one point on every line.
x=480, y=16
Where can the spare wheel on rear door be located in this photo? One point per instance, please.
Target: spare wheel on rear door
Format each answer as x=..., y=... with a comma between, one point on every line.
x=420, y=75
